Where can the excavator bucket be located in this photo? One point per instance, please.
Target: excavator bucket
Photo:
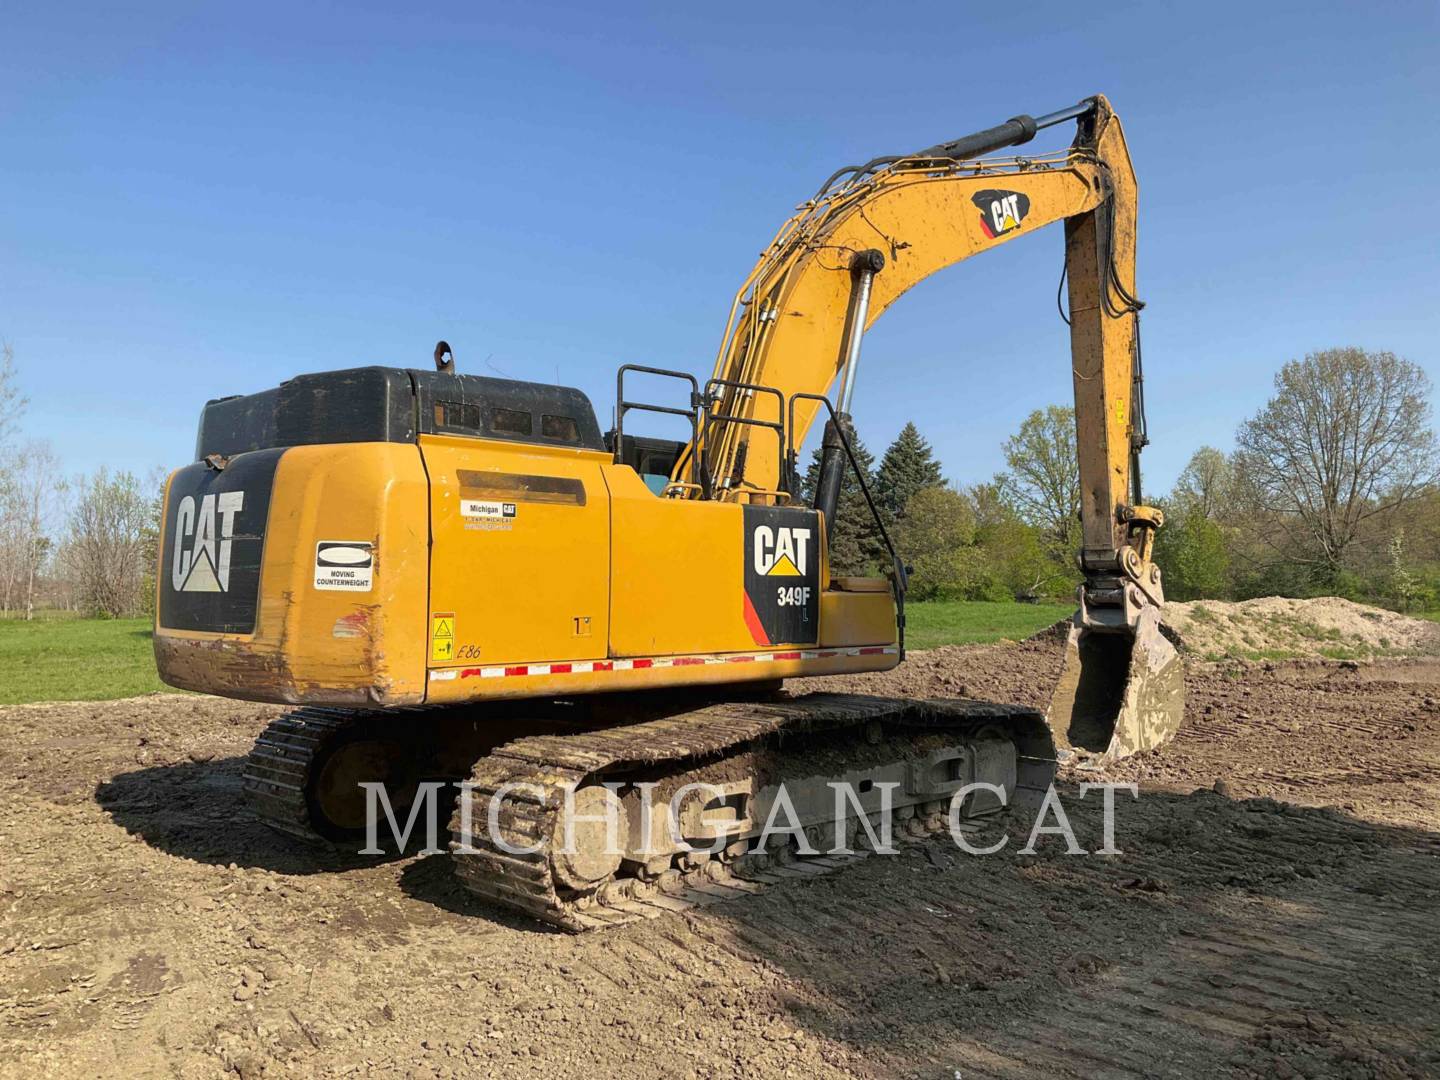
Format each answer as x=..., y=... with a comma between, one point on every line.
x=1121, y=690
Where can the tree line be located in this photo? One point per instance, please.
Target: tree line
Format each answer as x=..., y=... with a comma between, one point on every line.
x=1332, y=488
x=83, y=543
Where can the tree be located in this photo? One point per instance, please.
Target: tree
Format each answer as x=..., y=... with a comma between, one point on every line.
x=30, y=491
x=1204, y=488
x=1043, y=478
x=1192, y=551
x=909, y=466
x=12, y=402
x=936, y=538
x=111, y=534
x=1346, y=437
x=856, y=547
x=1015, y=558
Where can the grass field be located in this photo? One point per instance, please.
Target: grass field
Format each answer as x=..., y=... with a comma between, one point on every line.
x=940, y=622
x=57, y=659
x=70, y=659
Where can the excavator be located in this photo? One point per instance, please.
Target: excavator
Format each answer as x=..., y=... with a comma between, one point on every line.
x=457, y=578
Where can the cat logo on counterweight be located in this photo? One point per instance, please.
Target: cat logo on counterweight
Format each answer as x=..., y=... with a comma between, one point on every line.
x=205, y=566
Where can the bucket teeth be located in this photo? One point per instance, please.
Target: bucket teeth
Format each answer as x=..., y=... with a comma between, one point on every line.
x=1120, y=692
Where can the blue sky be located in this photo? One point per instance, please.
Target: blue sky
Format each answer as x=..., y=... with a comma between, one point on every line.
x=202, y=200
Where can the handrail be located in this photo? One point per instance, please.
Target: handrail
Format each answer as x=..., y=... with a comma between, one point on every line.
x=777, y=426
x=697, y=406
x=901, y=579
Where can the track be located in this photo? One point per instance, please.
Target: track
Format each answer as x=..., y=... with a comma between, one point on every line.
x=529, y=777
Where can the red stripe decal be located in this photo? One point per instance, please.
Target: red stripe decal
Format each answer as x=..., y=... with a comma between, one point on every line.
x=470, y=673
x=643, y=663
x=872, y=651
x=559, y=669
x=522, y=669
x=753, y=624
x=739, y=659
x=787, y=656
x=604, y=665
x=687, y=661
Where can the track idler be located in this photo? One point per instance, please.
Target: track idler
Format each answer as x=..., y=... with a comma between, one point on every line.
x=1121, y=690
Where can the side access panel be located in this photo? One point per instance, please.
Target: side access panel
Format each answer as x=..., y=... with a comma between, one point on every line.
x=709, y=577
x=520, y=553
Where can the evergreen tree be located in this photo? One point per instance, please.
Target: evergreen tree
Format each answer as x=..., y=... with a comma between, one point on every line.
x=856, y=548
x=908, y=466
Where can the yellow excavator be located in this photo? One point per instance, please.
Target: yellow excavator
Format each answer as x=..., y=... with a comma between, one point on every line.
x=460, y=578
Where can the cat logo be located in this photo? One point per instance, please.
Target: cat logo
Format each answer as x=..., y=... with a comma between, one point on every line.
x=782, y=574
x=1000, y=211
x=205, y=567
x=781, y=551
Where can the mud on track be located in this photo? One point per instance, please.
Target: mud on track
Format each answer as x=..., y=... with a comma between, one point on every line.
x=1285, y=925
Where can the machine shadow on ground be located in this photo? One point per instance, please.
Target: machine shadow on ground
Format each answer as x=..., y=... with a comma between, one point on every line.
x=1227, y=935
x=195, y=810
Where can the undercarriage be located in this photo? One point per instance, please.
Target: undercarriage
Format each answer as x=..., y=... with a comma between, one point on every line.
x=586, y=821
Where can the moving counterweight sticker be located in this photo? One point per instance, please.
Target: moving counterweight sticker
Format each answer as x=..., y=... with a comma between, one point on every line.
x=442, y=635
x=344, y=565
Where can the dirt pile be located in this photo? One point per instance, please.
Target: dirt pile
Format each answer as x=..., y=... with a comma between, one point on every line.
x=1274, y=628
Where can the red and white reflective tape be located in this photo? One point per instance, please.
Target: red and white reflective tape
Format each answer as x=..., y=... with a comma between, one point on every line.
x=587, y=667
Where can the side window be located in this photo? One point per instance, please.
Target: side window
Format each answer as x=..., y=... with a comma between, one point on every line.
x=509, y=421
x=458, y=416
x=561, y=428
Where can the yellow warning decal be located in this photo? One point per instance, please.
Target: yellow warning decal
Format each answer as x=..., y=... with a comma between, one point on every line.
x=442, y=635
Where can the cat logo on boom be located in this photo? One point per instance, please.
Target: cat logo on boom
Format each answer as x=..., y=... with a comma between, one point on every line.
x=1000, y=211
x=205, y=567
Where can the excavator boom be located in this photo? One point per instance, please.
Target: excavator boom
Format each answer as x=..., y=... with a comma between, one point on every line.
x=871, y=233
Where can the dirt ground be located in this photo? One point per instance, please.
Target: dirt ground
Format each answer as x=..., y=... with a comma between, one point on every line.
x=1273, y=914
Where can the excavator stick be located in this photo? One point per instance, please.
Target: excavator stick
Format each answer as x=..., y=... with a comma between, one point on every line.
x=1121, y=690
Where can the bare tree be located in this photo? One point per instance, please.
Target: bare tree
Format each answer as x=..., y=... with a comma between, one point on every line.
x=110, y=543
x=30, y=493
x=1043, y=479
x=1346, y=437
x=12, y=402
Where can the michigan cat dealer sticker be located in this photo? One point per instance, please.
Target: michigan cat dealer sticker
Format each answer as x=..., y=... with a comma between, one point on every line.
x=344, y=565
x=486, y=509
x=488, y=514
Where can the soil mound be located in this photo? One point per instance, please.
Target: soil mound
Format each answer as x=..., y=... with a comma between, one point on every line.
x=1273, y=627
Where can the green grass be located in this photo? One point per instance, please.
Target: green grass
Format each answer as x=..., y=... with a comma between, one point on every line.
x=934, y=623
x=58, y=659
x=72, y=659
